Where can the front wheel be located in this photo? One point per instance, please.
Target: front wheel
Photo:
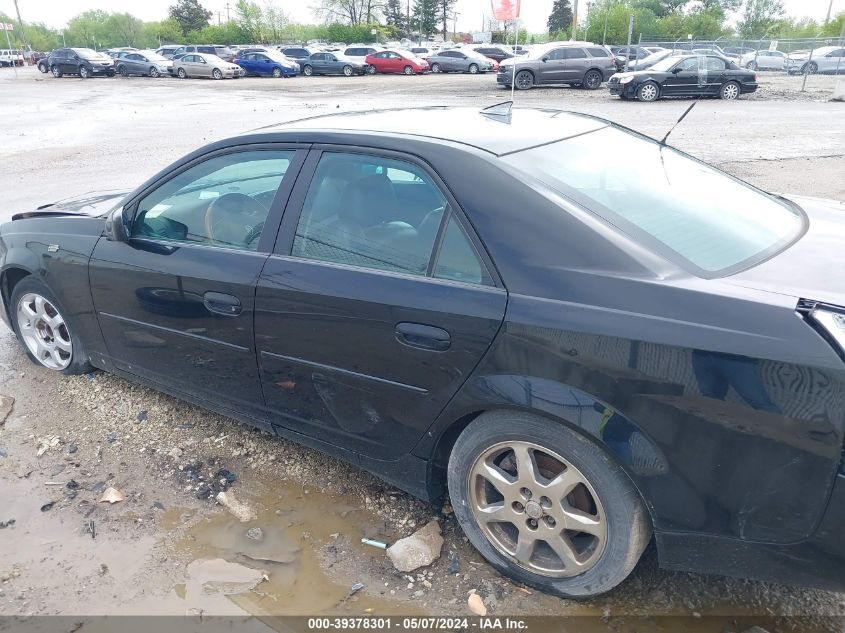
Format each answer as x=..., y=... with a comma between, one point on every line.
x=154, y=72
x=473, y=69
x=751, y=65
x=545, y=505
x=648, y=91
x=44, y=330
x=57, y=72
x=181, y=73
x=277, y=72
x=408, y=70
x=84, y=72
x=524, y=80
x=592, y=80
x=217, y=74
x=729, y=91
x=812, y=68
x=347, y=71
x=124, y=72
x=43, y=67
x=435, y=68
x=307, y=70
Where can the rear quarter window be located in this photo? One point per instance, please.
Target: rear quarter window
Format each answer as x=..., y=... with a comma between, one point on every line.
x=598, y=52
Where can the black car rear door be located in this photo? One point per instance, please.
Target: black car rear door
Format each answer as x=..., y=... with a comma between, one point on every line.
x=175, y=302
x=374, y=307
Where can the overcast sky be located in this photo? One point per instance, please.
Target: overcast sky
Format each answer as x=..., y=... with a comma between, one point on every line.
x=56, y=13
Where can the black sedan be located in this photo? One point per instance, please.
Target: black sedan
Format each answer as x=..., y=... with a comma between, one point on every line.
x=586, y=336
x=685, y=76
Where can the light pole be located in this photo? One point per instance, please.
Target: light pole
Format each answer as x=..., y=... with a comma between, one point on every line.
x=455, y=26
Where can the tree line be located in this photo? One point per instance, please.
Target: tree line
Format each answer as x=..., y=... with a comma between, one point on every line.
x=368, y=20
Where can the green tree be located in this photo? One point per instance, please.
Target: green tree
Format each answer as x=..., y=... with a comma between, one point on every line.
x=125, y=29
x=89, y=29
x=759, y=18
x=250, y=17
x=834, y=27
x=561, y=16
x=614, y=15
x=275, y=21
x=165, y=32
x=395, y=16
x=425, y=16
x=190, y=15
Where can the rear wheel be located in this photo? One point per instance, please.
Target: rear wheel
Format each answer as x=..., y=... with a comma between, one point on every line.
x=751, y=65
x=371, y=70
x=217, y=74
x=524, y=80
x=307, y=70
x=42, y=66
x=347, y=71
x=277, y=72
x=41, y=325
x=812, y=68
x=545, y=505
x=592, y=80
x=181, y=73
x=648, y=91
x=57, y=72
x=729, y=91
x=435, y=68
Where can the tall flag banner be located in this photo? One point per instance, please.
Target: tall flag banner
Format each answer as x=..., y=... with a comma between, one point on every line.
x=506, y=9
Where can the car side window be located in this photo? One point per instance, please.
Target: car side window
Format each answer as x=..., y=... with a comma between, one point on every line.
x=370, y=211
x=600, y=52
x=714, y=63
x=574, y=53
x=223, y=201
x=689, y=64
x=457, y=259
x=556, y=54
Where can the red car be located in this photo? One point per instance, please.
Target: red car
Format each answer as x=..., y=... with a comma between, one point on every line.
x=395, y=62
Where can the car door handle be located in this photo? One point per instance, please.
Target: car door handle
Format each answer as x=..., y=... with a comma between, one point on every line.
x=423, y=336
x=221, y=303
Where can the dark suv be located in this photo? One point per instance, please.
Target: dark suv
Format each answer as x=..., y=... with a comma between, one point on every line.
x=494, y=52
x=80, y=61
x=586, y=65
x=223, y=52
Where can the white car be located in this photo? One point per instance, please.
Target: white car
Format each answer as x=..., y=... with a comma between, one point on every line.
x=827, y=59
x=11, y=58
x=359, y=53
x=764, y=60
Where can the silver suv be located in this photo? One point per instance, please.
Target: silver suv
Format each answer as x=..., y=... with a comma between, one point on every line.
x=576, y=64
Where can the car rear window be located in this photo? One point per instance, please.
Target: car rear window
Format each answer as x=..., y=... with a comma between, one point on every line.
x=689, y=212
x=595, y=51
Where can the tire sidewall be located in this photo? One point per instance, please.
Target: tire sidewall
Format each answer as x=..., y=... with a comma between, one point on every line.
x=656, y=94
x=586, y=84
x=524, y=73
x=624, y=513
x=181, y=73
x=725, y=87
x=79, y=363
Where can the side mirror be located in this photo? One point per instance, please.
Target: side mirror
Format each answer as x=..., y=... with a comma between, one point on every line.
x=545, y=59
x=676, y=70
x=117, y=229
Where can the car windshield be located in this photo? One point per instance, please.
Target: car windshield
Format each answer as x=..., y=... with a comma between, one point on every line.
x=85, y=52
x=653, y=58
x=665, y=64
x=669, y=201
x=154, y=57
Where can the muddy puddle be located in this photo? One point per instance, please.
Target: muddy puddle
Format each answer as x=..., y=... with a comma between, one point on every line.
x=271, y=566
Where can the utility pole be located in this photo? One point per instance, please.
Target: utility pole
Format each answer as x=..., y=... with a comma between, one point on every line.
x=574, y=19
x=826, y=20
x=23, y=32
x=455, y=26
x=227, y=12
x=219, y=17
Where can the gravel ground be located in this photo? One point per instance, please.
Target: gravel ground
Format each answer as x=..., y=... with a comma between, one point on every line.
x=170, y=458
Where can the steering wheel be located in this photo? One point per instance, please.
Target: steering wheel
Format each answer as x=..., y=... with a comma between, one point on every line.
x=232, y=218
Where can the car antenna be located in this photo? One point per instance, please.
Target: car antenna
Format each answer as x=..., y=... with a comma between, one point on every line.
x=686, y=112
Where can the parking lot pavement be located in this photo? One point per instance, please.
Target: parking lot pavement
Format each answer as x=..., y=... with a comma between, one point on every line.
x=61, y=137
x=70, y=135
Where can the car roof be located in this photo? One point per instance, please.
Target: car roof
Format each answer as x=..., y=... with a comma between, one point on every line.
x=524, y=128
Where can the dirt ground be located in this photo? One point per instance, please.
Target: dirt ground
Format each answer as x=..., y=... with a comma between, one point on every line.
x=168, y=547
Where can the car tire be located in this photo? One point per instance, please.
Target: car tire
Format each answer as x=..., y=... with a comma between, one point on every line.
x=730, y=91
x=181, y=73
x=473, y=69
x=57, y=72
x=154, y=72
x=84, y=72
x=371, y=70
x=277, y=73
x=648, y=92
x=110, y=73
x=592, y=80
x=347, y=71
x=536, y=542
x=435, y=67
x=524, y=80
x=43, y=67
x=31, y=304
x=408, y=70
x=307, y=70
x=217, y=74
x=811, y=69
x=124, y=72
x=751, y=65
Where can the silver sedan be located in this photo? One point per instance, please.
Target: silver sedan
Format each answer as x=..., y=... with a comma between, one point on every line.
x=205, y=65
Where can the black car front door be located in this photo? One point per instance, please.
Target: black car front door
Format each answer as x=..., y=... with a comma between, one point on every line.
x=375, y=307
x=684, y=78
x=175, y=302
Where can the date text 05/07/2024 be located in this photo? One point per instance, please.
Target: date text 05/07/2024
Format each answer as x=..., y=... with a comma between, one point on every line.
x=411, y=623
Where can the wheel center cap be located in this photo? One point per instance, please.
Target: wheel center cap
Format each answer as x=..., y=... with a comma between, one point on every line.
x=533, y=509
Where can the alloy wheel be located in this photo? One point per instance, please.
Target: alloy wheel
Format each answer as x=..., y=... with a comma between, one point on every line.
x=347, y=71
x=217, y=74
x=408, y=70
x=56, y=71
x=537, y=509
x=524, y=80
x=154, y=72
x=730, y=91
x=277, y=73
x=83, y=72
x=473, y=69
x=308, y=71
x=44, y=331
x=435, y=68
x=593, y=80
x=647, y=92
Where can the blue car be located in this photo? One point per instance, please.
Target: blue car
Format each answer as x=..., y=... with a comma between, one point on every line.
x=267, y=63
